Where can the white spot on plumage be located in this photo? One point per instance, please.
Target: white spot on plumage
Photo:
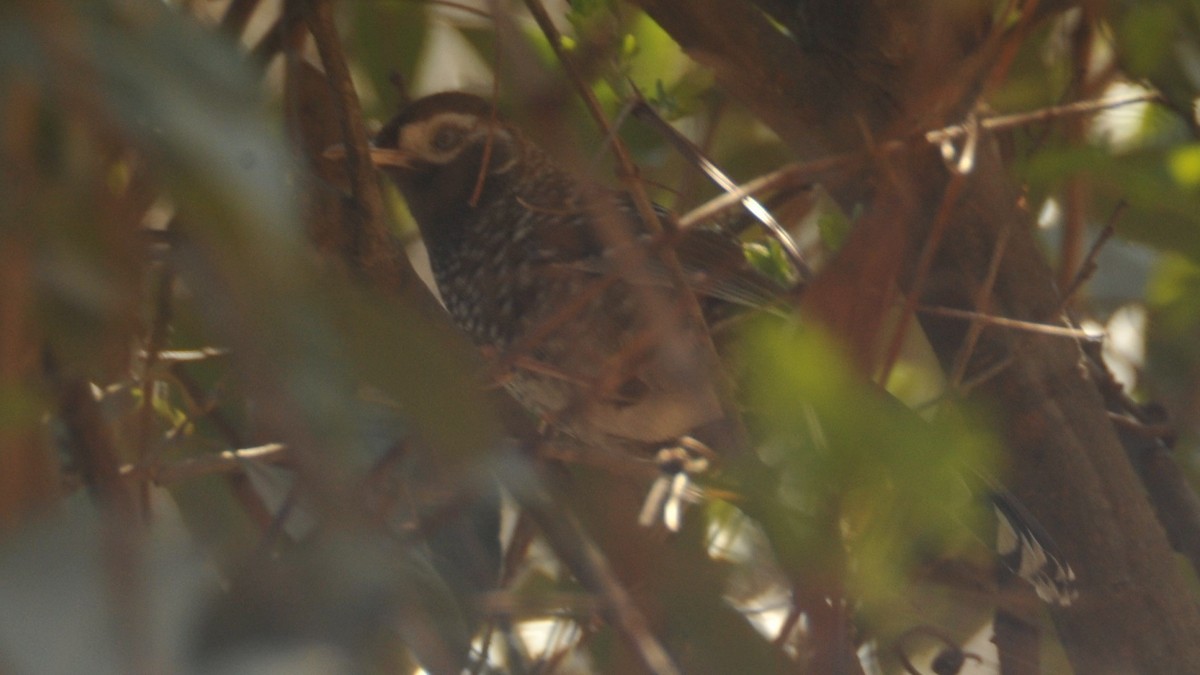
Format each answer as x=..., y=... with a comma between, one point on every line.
x=1026, y=555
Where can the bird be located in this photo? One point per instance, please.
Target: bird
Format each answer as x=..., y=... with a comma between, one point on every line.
x=596, y=337
x=560, y=281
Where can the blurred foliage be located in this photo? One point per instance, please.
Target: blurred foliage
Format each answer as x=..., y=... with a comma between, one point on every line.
x=135, y=138
x=892, y=480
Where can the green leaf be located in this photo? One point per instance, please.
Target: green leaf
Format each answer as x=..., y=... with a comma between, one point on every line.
x=1142, y=32
x=1159, y=185
x=386, y=38
x=769, y=258
x=892, y=479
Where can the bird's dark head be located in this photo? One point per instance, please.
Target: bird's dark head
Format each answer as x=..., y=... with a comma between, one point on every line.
x=435, y=150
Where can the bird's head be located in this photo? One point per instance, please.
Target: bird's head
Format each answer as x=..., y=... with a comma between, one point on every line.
x=440, y=148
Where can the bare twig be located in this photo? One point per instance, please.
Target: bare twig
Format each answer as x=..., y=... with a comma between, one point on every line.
x=1088, y=266
x=806, y=173
x=798, y=174
x=1041, y=115
x=937, y=230
x=242, y=490
x=696, y=157
x=364, y=188
x=155, y=341
x=1004, y=322
x=983, y=303
x=92, y=447
x=587, y=562
x=95, y=453
x=228, y=462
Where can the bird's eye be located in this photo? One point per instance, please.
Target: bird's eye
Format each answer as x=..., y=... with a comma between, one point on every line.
x=448, y=137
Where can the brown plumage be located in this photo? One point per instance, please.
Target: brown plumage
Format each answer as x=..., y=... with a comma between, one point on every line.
x=598, y=345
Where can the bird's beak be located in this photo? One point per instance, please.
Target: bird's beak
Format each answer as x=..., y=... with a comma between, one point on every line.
x=385, y=157
x=380, y=157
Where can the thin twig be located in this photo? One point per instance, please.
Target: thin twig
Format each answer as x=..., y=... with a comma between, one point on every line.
x=1010, y=42
x=1041, y=115
x=570, y=543
x=655, y=226
x=92, y=447
x=933, y=241
x=983, y=303
x=990, y=372
x=624, y=160
x=643, y=111
x=795, y=611
x=796, y=174
x=364, y=188
x=806, y=173
x=243, y=491
x=1088, y=266
x=228, y=462
x=94, y=451
x=156, y=339
x=1004, y=322
x=687, y=185
x=485, y=162
x=206, y=407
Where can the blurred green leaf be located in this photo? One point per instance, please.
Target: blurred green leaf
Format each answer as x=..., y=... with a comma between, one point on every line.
x=1159, y=40
x=1184, y=165
x=832, y=222
x=388, y=38
x=1142, y=31
x=888, y=474
x=1173, y=294
x=586, y=8
x=1171, y=297
x=1039, y=73
x=769, y=258
x=1158, y=184
x=658, y=65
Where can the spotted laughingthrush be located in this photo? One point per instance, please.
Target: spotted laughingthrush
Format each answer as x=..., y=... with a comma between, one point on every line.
x=529, y=263
x=532, y=263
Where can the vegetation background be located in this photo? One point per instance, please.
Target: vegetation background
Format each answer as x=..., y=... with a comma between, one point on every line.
x=237, y=434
